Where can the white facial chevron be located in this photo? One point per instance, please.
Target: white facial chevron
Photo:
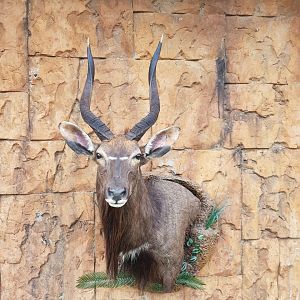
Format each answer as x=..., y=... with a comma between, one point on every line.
x=115, y=158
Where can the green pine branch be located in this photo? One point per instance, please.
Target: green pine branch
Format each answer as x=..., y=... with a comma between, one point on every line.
x=189, y=280
x=100, y=279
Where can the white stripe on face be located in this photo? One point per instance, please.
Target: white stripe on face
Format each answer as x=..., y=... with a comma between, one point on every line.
x=115, y=158
x=124, y=157
x=112, y=158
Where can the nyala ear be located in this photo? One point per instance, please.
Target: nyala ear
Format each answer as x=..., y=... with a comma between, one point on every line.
x=76, y=138
x=161, y=143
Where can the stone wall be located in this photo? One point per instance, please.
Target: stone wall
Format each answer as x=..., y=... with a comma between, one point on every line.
x=240, y=134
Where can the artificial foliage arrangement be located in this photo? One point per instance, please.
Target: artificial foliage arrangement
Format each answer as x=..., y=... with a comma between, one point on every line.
x=158, y=230
x=101, y=280
x=194, y=247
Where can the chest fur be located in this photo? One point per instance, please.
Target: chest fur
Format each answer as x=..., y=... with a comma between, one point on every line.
x=132, y=255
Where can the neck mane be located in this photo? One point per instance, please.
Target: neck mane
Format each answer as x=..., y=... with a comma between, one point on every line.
x=127, y=227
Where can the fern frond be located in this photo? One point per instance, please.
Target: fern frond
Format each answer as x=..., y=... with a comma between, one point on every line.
x=100, y=279
x=189, y=280
x=184, y=278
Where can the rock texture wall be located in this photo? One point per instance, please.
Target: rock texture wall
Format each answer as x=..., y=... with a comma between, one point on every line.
x=240, y=137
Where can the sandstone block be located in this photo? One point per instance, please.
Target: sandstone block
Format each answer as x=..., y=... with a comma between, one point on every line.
x=47, y=241
x=240, y=7
x=108, y=26
x=217, y=288
x=119, y=293
x=288, y=97
x=11, y=156
x=252, y=131
x=250, y=201
x=231, y=7
x=289, y=7
x=39, y=166
x=13, y=66
x=13, y=115
x=258, y=53
x=190, y=36
x=260, y=267
x=262, y=114
x=289, y=270
x=177, y=6
x=74, y=173
x=274, y=177
x=43, y=166
x=226, y=260
x=277, y=161
x=54, y=88
x=256, y=98
x=188, y=100
x=264, y=8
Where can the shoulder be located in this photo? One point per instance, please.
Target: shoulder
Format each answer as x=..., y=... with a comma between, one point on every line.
x=174, y=185
x=177, y=194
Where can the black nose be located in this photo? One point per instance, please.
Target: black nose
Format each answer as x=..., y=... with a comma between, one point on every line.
x=117, y=193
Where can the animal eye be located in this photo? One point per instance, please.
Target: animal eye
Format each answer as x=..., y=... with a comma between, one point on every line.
x=98, y=155
x=138, y=156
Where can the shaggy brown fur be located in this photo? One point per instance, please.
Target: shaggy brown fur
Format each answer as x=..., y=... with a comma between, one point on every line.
x=158, y=213
x=127, y=228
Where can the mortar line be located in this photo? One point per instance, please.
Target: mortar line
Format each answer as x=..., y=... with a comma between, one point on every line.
x=26, y=29
x=13, y=91
x=109, y=58
x=45, y=193
x=165, y=13
x=241, y=220
x=174, y=149
x=133, y=43
x=278, y=269
x=228, y=123
x=58, y=56
x=249, y=16
x=254, y=82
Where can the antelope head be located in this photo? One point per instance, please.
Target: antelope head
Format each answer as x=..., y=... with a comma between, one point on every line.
x=119, y=157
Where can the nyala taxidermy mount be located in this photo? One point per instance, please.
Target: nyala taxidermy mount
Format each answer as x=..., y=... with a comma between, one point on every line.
x=154, y=227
